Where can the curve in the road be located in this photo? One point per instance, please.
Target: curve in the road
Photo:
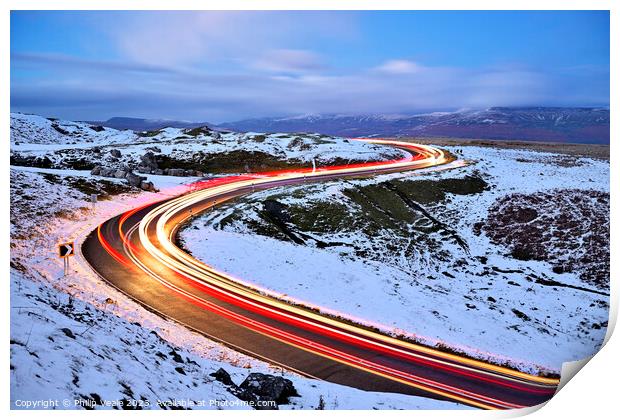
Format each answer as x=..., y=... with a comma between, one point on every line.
x=142, y=260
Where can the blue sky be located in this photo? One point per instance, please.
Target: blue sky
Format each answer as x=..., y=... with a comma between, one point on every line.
x=223, y=66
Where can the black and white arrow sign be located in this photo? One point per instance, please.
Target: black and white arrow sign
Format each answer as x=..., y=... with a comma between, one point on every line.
x=66, y=250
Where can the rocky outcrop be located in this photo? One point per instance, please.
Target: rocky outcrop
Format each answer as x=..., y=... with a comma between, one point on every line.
x=269, y=387
x=198, y=131
x=182, y=172
x=106, y=172
x=148, y=165
x=135, y=180
x=148, y=161
x=259, y=387
x=125, y=173
x=175, y=172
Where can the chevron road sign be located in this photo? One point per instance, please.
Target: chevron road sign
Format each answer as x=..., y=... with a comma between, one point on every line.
x=66, y=250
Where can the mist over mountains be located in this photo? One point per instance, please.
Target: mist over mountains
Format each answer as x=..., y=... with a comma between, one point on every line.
x=567, y=125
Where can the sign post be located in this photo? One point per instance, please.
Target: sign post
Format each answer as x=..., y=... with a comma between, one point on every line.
x=66, y=250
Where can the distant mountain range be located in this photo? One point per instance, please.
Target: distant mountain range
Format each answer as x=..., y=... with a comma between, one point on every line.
x=568, y=125
x=143, y=124
x=572, y=125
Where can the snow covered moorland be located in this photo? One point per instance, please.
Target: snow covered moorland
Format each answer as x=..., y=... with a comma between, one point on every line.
x=36, y=141
x=505, y=258
x=77, y=342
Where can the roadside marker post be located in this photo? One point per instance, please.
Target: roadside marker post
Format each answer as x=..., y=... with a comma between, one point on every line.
x=66, y=250
x=93, y=200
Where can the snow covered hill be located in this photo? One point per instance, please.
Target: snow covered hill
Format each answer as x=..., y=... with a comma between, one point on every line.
x=199, y=151
x=34, y=129
x=32, y=133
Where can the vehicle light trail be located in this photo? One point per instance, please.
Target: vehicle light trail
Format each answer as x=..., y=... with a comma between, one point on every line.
x=144, y=239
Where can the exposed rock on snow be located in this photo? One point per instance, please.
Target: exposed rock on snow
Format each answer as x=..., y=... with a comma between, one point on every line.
x=269, y=387
x=134, y=180
x=147, y=186
x=222, y=376
x=125, y=173
x=566, y=228
x=264, y=391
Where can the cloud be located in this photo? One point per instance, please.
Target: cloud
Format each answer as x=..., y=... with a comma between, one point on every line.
x=291, y=82
x=175, y=37
x=62, y=61
x=186, y=38
x=289, y=61
x=226, y=65
x=399, y=67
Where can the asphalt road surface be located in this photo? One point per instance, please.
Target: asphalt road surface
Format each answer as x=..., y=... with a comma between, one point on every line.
x=136, y=253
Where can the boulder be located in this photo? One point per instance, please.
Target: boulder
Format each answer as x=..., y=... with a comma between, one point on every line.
x=96, y=170
x=222, y=376
x=269, y=387
x=107, y=172
x=176, y=172
x=120, y=173
x=148, y=160
x=147, y=186
x=134, y=180
x=116, y=153
x=68, y=332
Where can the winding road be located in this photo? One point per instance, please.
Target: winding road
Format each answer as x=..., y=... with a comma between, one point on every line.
x=136, y=253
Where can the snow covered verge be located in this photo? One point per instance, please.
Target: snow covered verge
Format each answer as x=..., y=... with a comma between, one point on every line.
x=70, y=354
x=77, y=343
x=438, y=257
